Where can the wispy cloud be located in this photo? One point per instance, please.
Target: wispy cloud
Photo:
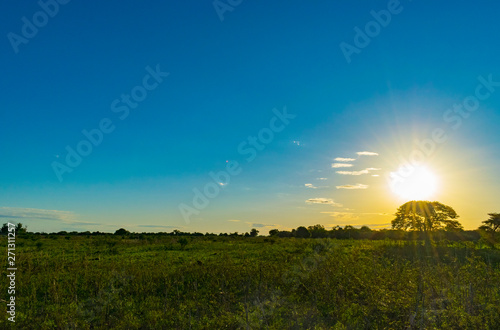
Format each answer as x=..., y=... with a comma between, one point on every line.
x=345, y=216
x=365, y=171
x=321, y=179
x=338, y=165
x=325, y=201
x=310, y=185
x=159, y=226
x=353, y=172
x=233, y=220
x=260, y=225
x=353, y=186
x=341, y=159
x=367, y=153
x=349, y=217
x=21, y=213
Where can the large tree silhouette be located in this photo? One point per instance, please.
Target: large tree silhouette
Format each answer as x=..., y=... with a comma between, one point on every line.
x=493, y=223
x=425, y=216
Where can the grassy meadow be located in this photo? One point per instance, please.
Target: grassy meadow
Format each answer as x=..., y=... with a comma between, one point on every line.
x=166, y=282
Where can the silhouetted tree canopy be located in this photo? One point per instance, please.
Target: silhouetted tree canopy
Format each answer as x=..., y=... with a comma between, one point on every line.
x=20, y=229
x=122, y=231
x=254, y=232
x=493, y=223
x=302, y=232
x=274, y=232
x=317, y=231
x=425, y=216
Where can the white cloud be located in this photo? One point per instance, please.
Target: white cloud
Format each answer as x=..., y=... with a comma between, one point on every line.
x=310, y=185
x=338, y=165
x=366, y=153
x=365, y=171
x=340, y=159
x=375, y=175
x=321, y=179
x=353, y=186
x=353, y=172
x=326, y=201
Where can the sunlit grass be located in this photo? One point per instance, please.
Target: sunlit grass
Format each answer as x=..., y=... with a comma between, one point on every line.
x=110, y=282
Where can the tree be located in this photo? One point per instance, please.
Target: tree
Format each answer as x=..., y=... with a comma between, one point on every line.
x=20, y=229
x=122, y=231
x=254, y=232
x=493, y=223
x=274, y=232
x=302, y=232
x=425, y=216
x=5, y=229
x=317, y=231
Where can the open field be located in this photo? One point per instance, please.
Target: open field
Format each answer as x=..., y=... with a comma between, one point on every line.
x=270, y=283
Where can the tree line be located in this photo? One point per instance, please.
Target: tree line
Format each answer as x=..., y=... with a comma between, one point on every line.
x=413, y=220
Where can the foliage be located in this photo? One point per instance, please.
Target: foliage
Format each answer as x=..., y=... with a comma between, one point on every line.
x=122, y=232
x=20, y=229
x=302, y=232
x=425, y=216
x=493, y=223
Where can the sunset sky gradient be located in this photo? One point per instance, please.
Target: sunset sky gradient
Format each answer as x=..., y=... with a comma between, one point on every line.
x=222, y=83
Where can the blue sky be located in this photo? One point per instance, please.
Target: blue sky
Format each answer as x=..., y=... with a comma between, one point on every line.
x=225, y=77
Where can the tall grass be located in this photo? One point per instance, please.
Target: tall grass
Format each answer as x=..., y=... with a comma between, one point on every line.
x=254, y=283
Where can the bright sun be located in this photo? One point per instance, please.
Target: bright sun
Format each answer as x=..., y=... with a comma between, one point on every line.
x=419, y=184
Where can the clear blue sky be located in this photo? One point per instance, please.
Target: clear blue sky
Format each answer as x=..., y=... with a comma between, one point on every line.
x=225, y=78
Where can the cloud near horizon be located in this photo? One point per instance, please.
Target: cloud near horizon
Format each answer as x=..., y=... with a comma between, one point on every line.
x=260, y=225
x=326, y=201
x=20, y=213
x=343, y=215
x=341, y=159
x=353, y=186
x=159, y=226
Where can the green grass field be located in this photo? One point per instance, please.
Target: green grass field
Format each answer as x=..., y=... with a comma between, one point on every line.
x=80, y=282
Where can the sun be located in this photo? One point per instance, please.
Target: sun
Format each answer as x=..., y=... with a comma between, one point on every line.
x=419, y=183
